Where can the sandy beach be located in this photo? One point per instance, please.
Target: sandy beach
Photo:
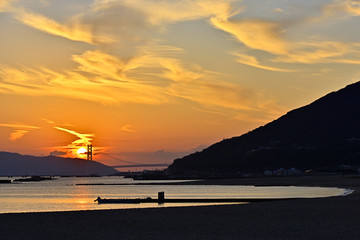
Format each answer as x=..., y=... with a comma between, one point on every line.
x=323, y=218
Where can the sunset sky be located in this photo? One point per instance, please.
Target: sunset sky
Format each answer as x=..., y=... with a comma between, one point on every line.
x=147, y=81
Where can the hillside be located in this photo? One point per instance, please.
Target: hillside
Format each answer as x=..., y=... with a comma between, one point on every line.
x=323, y=135
x=13, y=164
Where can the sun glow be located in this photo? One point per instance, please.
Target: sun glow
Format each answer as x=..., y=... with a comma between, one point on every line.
x=81, y=151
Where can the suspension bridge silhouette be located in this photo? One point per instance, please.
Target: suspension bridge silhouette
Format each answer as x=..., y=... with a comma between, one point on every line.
x=130, y=164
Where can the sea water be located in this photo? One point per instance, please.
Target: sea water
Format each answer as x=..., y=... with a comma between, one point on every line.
x=79, y=193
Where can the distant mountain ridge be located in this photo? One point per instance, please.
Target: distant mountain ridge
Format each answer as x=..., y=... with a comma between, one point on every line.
x=323, y=134
x=14, y=164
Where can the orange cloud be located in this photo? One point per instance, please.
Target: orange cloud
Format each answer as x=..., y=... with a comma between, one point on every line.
x=348, y=6
x=73, y=30
x=19, y=130
x=5, y=5
x=253, y=62
x=100, y=63
x=352, y=7
x=319, y=52
x=163, y=12
x=268, y=36
x=127, y=128
x=16, y=125
x=110, y=22
x=255, y=34
x=210, y=92
x=155, y=76
x=17, y=134
x=74, y=84
x=83, y=138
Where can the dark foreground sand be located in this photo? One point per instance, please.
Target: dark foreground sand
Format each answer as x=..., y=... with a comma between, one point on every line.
x=326, y=218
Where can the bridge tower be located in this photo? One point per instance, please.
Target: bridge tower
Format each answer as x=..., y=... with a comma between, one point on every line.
x=89, y=152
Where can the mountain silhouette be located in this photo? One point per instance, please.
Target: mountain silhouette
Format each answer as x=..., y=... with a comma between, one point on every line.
x=323, y=135
x=13, y=164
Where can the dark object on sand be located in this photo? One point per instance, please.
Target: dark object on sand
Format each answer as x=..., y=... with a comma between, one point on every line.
x=161, y=199
x=34, y=179
x=121, y=200
x=5, y=181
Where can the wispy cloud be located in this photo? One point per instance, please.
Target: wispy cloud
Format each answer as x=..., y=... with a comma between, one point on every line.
x=154, y=76
x=17, y=134
x=17, y=125
x=74, y=29
x=164, y=12
x=6, y=5
x=74, y=84
x=255, y=34
x=48, y=121
x=253, y=62
x=321, y=52
x=272, y=37
x=83, y=140
x=128, y=128
x=115, y=21
x=267, y=36
x=107, y=79
x=352, y=7
x=19, y=130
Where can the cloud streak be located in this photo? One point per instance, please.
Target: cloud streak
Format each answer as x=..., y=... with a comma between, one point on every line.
x=19, y=130
x=16, y=125
x=165, y=12
x=255, y=34
x=5, y=5
x=351, y=7
x=110, y=22
x=253, y=62
x=268, y=37
x=84, y=139
x=320, y=52
x=128, y=128
x=73, y=30
x=17, y=134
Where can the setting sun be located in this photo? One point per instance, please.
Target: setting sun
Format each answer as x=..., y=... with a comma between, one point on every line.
x=81, y=151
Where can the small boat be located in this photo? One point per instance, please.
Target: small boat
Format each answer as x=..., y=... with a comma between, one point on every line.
x=5, y=181
x=34, y=179
x=121, y=200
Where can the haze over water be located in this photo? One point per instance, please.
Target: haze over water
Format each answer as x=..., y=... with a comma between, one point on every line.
x=64, y=195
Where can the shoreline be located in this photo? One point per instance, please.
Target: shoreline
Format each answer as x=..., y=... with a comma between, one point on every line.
x=319, y=218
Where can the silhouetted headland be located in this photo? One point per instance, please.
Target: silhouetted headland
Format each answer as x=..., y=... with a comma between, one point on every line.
x=323, y=136
x=13, y=164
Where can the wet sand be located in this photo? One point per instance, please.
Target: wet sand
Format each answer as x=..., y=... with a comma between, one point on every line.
x=323, y=218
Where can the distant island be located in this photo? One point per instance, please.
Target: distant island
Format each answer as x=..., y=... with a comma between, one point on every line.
x=13, y=164
x=323, y=136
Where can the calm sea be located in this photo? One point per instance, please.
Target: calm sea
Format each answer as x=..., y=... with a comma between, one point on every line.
x=63, y=194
